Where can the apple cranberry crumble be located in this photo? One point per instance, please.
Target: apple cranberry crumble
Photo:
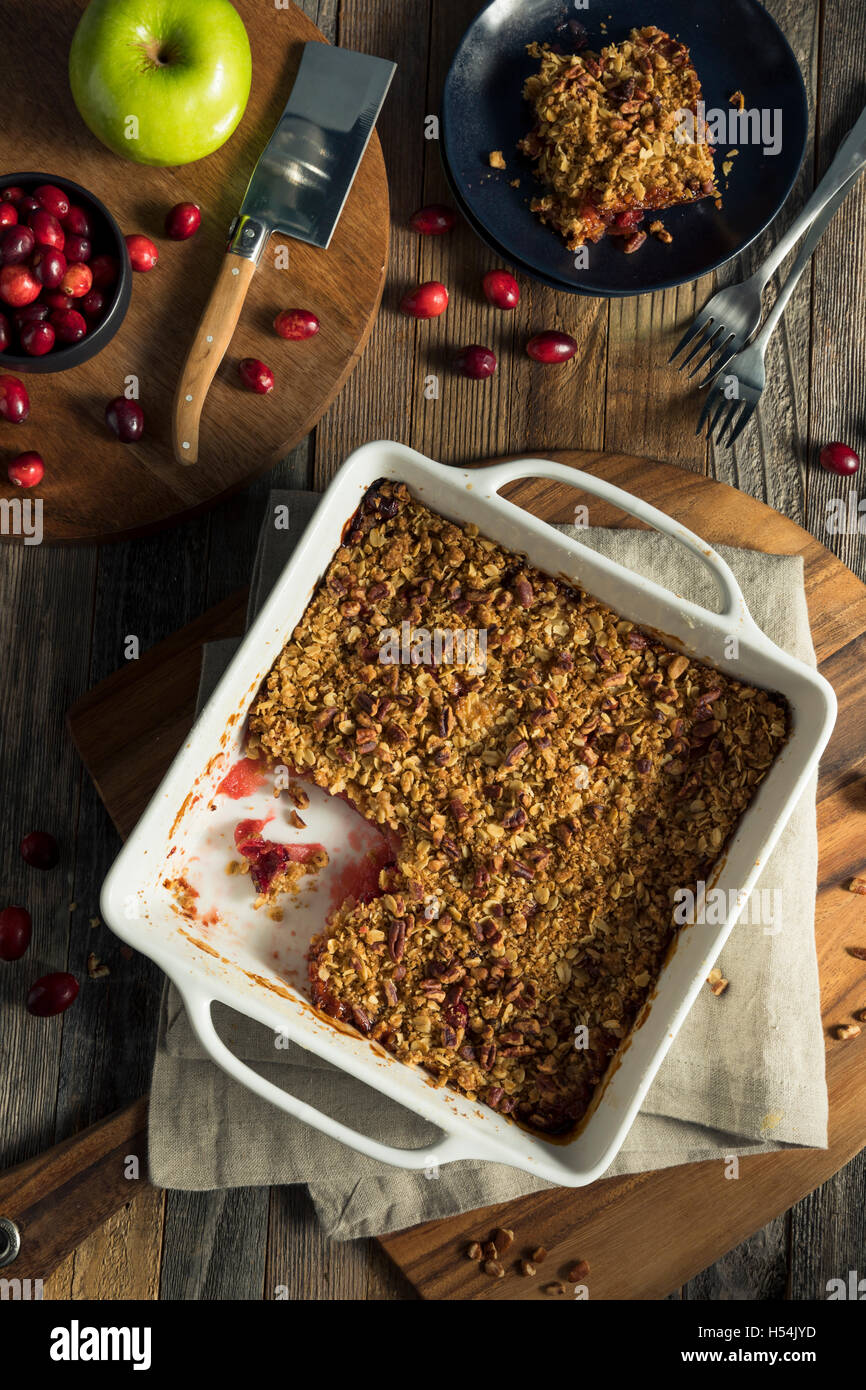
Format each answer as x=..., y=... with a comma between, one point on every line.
x=541, y=812
x=608, y=136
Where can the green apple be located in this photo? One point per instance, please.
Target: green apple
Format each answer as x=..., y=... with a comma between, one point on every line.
x=161, y=81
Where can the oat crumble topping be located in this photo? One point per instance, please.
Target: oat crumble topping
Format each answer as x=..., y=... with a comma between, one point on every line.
x=604, y=140
x=549, y=807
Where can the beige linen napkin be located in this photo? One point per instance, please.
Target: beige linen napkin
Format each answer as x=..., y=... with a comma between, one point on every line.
x=744, y=1075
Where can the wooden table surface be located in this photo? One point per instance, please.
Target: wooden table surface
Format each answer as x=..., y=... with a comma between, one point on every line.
x=66, y=616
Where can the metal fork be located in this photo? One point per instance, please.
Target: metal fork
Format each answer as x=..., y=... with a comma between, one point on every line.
x=728, y=320
x=744, y=374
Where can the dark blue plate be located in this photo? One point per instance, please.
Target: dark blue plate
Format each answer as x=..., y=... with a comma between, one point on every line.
x=734, y=46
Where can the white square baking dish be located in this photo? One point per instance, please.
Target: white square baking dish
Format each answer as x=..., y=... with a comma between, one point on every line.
x=243, y=958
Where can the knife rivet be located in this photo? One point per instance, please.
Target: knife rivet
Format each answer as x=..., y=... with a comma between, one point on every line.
x=235, y=271
x=189, y=398
x=186, y=444
x=10, y=1241
x=210, y=337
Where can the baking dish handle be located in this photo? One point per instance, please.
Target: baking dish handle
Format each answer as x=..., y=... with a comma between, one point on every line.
x=734, y=607
x=446, y=1150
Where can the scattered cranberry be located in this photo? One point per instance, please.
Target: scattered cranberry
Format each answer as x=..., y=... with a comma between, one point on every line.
x=14, y=400
x=183, y=221
x=39, y=849
x=143, y=254
x=17, y=286
x=78, y=248
x=93, y=304
x=48, y=266
x=551, y=347
x=37, y=339
x=26, y=471
x=476, y=362
x=52, y=994
x=77, y=281
x=16, y=245
x=47, y=230
x=838, y=458
x=53, y=199
x=433, y=220
x=56, y=299
x=76, y=222
x=501, y=289
x=69, y=326
x=428, y=301
x=15, y=932
x=125, y=418
x=256, y=376
x=295, y=324
x=105, y=271
x=8, y=215
x=5, y=333
x=11, y=194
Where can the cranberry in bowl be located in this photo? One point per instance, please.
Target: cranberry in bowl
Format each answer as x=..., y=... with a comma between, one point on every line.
x=36, y=273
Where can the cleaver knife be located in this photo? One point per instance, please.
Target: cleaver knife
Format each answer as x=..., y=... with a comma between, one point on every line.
x=299, y=188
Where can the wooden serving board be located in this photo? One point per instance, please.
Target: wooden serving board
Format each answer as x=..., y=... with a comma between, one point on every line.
x=96, y=488
x=645, y=1234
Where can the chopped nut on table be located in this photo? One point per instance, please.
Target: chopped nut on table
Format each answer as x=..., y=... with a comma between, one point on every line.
x=858, y=952
x=578, y=1271
x=556, y=1290
x=553, y=896
x=494, y=1269
x=95, y=967
x=527, y=1268
x=473, y=1251
x=717, y=982
x=539, y=1255
x=857, y=885
x=847, y=1030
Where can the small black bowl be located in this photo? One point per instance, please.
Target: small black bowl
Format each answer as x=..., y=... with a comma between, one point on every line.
x=107, y=239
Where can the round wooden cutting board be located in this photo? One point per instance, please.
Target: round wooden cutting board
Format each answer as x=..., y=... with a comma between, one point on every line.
x=96, y=488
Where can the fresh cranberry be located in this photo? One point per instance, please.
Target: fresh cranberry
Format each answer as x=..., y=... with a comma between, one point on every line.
x=8, y=215
x=26, y=205
x=31, y=313
x=433, y=220
x=838, y=458
x=5, y=333
x=69, y=326
x=18, y=286
x=476, y=362
x=14, y=400
x=428, y=301
x=52, y=994
x=48, y=266
x=15, y=931
x=37, y=339
x=12, y=194
x=39, y=849
x=125, y=418
x=16, y=245
x=501, y=289
x=143, y=254
x=76, y=222
x=26, y=471
x=551, y=346
x=92, y=305
x=256, y=376
x=78, y=248
x=77, y=280
x=47, y=230
x=183, y=221
x=56, y=299
x=53, y=199
x=105, y=271
x=295, y=324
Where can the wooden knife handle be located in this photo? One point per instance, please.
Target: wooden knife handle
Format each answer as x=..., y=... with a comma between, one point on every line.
x=59, y=1198
x=213, y=335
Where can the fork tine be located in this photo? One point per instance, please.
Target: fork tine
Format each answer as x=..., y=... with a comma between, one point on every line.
x=705, y=341
x=724, y=360
x=740, y=407
x=719, y=421
x=710, y=401
x=717, y=345
x=745, y=417
x=698, y=325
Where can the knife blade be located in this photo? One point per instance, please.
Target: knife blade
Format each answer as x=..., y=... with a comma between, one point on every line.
x=299, y=188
